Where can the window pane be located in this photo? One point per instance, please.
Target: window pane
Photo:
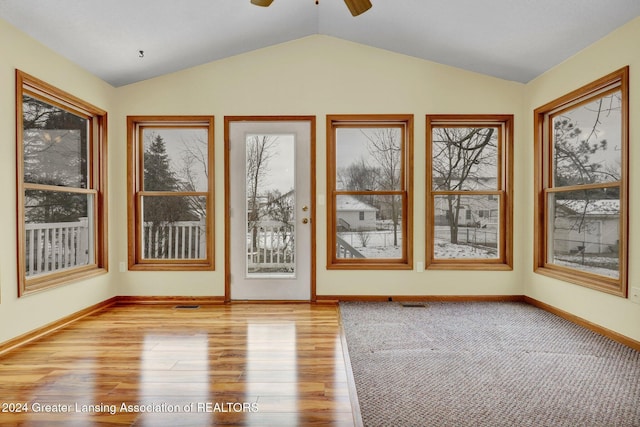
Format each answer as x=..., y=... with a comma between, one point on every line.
x=270, y=208
x=175, y=159
x=54, y=145
x=368, y=159
x=174, y=227
x=465, y=158
x=585, y=230
x=58, y=231
x=377, y=235
x=466, y=227
x=587, y=142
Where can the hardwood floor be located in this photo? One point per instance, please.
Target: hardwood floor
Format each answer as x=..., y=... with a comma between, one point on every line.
x=157, y=365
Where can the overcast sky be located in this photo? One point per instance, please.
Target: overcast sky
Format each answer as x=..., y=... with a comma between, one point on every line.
x=177, y=143
x=608, y=128
x=281, y=166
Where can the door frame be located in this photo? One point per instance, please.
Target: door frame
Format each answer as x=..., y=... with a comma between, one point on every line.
x=227, y=192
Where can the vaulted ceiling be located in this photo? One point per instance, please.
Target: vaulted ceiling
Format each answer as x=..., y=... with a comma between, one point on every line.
x=510, y=39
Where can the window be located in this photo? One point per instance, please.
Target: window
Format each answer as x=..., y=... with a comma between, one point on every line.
x=61, y=183
x=170, y=192
x=469, y=191
x=581, y=179
x=370, y=202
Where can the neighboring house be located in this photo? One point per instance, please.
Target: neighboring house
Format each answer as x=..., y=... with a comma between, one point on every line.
x=272, y=212
x=355, y=215
x=475, y=211
x=586, y=226
x=479, y=211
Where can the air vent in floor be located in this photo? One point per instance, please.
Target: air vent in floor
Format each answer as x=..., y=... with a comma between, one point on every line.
x=187, y=307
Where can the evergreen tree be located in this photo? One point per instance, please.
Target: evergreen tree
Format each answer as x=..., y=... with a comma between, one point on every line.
x=158, y=176
x=55, y=153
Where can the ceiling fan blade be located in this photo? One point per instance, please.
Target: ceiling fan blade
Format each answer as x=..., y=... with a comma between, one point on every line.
x=263, y=3
x=356, y=7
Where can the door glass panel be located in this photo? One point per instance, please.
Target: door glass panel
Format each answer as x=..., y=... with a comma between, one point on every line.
x=270, y=208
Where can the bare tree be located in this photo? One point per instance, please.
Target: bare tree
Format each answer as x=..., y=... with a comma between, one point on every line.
x=281, y=207
x=576, y=153
x=463, y=158
x=195, y=168
x=360, y=176
x=385, y=149
x=582, y=157
x=259, y=150
x=364, y=237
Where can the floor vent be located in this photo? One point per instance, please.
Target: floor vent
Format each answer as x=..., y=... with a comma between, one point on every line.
x=187, y=307
x=413, y=304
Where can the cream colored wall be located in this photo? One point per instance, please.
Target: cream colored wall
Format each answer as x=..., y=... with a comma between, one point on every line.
x=318, y=75
x=618, y=49
x=18, y=316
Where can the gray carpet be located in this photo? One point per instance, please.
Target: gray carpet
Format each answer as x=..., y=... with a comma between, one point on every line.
x=486, y=364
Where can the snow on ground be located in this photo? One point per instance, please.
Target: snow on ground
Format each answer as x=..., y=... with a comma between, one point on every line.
x=446, y=250
x=379, y=244
x=573, y=262
x=378, y=252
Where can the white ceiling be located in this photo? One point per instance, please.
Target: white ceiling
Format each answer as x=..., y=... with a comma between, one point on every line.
x=510, y=39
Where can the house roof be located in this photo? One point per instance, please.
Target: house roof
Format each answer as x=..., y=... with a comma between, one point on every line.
x=591, y=207
x=349, y=203
x=512, y=40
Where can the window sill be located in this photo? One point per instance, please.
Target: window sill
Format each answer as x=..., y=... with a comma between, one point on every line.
x=55, y=280
x=178, y=266
x=615, y=287
x=370, y=266
x=479, y=266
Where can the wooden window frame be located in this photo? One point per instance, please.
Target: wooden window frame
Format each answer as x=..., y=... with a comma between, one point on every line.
x=135, y=171
x=404, y=121
x=504, y=190
x=617, y=80
x=96, y=183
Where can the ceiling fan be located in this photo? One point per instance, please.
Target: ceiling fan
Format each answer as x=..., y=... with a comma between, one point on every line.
x=356, y=7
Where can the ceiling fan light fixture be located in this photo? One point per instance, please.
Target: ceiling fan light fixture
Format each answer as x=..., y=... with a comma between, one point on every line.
x=357, y=7
x=263, y=3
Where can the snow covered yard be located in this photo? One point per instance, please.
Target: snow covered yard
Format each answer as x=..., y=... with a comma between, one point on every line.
x=446, y=250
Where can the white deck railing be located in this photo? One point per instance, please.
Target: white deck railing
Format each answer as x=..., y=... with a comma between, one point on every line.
x=271, y=248
x=56, y=246
x=175, y=240
x=345, y=250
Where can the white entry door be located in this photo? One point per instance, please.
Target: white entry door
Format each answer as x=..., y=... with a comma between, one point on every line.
x=270, y=209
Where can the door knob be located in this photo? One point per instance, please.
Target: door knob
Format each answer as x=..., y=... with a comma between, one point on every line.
x=305, y=208
x=305, y=220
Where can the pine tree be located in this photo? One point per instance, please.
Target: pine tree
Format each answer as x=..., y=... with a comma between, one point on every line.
x=161, y=211
x=55, y=154
x=158, y=176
